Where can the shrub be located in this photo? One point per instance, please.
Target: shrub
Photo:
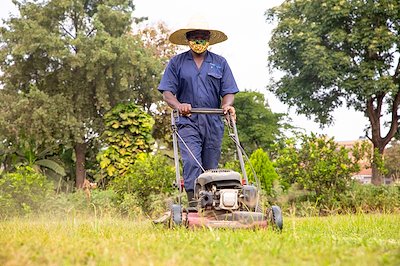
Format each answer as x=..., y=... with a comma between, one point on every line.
x=130, y=205
x=128, y=132
x=149, y=175
x=23, y=191
x=102, y=203
x=358, y=198
x=318, y=164
x=263, y=168
x=370, y=198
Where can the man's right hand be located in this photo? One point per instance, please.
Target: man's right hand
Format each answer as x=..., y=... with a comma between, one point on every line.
x=185, y=109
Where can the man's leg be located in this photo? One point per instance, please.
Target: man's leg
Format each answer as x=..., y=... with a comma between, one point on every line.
x=212, y=134
x=191, y=169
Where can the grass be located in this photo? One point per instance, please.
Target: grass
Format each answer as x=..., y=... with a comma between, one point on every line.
x=336, y=240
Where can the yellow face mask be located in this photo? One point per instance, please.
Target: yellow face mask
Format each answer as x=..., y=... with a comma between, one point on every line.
x=199, y=46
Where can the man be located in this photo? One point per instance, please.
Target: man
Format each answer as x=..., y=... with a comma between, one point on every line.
x=198, y=78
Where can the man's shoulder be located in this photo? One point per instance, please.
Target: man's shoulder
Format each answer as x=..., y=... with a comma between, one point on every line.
x=216, y=57
x=180, y=56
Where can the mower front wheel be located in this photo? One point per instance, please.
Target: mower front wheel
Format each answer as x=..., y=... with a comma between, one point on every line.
x=274, y=216
x=176, y=215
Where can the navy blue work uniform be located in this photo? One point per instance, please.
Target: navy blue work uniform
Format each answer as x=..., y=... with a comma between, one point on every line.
x=202, y=88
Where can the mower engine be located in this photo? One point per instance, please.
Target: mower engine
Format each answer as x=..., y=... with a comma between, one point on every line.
x=222, y=189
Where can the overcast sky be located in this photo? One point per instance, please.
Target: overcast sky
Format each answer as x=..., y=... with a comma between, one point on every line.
x=245, y=50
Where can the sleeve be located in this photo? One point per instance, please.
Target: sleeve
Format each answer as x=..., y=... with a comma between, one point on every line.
x=169, y=80
x=228, y=81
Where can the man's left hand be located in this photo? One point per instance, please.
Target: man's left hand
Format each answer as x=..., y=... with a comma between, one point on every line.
x=229, y=110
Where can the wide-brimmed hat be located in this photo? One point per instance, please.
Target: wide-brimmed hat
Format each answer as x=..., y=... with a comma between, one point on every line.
x=197, y=23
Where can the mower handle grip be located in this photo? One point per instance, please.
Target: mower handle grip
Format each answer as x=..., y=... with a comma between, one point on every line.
x=212, y=111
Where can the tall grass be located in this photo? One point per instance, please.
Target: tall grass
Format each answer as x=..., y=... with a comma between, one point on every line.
x=372, y=239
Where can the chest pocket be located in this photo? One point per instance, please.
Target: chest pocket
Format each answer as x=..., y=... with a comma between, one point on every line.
x=214, y=76
x=214, y=71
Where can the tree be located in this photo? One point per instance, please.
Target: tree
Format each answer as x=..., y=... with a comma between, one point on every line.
x=31, y=124
x=318, y=164
x=155, y=38
x=335, y=52
x=257, y=125
x=81, y=51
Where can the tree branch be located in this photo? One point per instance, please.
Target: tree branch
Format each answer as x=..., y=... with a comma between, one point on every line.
x=66, y=31
x=397, y=73
x=394, y=125
x=374, y=120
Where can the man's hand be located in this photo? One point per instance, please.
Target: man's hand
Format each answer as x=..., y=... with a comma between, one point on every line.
x=185, y=109
x=229, y=110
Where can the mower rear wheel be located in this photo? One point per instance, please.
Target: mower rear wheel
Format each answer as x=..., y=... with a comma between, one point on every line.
x=274, y=216
x=176, y=215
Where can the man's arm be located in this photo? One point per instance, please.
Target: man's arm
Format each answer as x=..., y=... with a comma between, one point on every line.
x=170, y=99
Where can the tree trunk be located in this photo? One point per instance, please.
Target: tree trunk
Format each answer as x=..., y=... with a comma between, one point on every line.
x=80, y=150
x=377, y=176
x=374, y=113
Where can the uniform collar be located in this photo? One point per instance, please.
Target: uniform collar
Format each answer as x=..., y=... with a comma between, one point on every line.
x=207, y=58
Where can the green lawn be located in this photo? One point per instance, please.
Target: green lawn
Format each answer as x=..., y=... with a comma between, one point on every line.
x=337, y=240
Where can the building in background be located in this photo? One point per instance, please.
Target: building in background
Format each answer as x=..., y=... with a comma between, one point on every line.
x=364, y=176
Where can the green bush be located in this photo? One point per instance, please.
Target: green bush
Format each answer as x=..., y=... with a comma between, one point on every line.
x=358, y=198
x=102, y=203
x=149, y=175
x=128, y=132
x=23, y=191
x=129, y=205
x=370, y=198
x=318, y=164
x=263, y=168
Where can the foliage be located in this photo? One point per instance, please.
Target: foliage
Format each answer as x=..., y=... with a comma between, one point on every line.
x=128, y=132
x=32, y=126
x=258, y=127
x=82, y=52
x=357, y=198
x=155, y=37
x=162, y=130
x=392, y=160
x=149, y=175
x=23, y=191
x=318, y=164
x=370, y=199
x=263, y=169
x=336, y=52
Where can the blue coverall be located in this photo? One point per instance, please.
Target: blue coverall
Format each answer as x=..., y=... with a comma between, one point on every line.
x=202, y=88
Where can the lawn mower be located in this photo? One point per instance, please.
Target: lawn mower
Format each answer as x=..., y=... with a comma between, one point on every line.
x=223, y=198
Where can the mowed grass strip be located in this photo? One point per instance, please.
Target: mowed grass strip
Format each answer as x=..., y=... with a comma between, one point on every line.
x=335, y=240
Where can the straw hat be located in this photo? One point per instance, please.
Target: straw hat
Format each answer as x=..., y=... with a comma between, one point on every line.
x=197, y=23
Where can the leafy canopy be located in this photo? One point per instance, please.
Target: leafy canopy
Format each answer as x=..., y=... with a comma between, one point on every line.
x=81, y=51
x=331, y=51
x=340, y=52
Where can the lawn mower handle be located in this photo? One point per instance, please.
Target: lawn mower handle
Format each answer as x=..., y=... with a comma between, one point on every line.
x=212, y=111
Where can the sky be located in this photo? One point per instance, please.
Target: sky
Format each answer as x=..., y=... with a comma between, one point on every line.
x=246, y=50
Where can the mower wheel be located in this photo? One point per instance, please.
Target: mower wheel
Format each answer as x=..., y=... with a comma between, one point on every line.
x=176, y=215
x=274, y=216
